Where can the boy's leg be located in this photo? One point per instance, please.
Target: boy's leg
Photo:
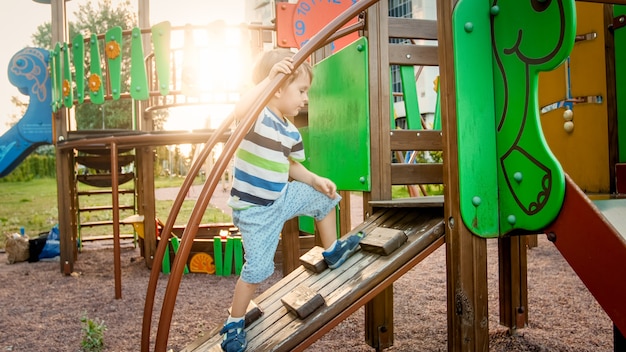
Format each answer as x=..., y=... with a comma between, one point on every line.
x=234, y=336
x=241, y=298
x=327, y=228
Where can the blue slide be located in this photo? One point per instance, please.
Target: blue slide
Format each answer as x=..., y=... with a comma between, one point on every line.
x=28, y=71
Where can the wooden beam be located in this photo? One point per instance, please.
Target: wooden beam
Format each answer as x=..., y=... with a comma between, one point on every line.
x=416, y=140
x=408, y=54
x=411, y=28
x=416, y=174
x=614, y=2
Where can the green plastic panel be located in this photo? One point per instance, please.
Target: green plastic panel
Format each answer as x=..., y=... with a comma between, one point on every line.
x=478, y=185
x=437, y=118
x=620, y=78
x=306, y=223
x=392, y=110
x=96, y=92
x=78, y=58
x=112, y=38
x=68, y=99
x=161, y=33
x=218, y=256
x=138, y=75
x=339, y=118
x=175, y=245
x=409, y=93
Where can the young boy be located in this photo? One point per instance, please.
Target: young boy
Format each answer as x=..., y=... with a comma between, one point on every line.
x=263, y=198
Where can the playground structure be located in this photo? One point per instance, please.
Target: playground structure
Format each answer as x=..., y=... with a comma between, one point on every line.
x=482, y=199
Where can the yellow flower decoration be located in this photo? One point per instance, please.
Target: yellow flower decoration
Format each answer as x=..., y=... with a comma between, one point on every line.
x=94, y=82
x=112, y=49
x=66, y=88
x=436, y=84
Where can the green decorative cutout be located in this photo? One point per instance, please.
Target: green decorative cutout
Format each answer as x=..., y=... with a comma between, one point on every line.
x=113, y=53
x=95, y=82
x=58, y=76
x=528, y=37
x=161, y=42
x=78, y=57
x=138, y=76
x=53, y=87
x=66, y=84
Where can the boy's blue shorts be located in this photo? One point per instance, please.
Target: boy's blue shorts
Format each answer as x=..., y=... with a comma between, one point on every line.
x=260, y=226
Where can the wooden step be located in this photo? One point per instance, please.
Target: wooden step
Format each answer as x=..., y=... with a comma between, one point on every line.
x=302, y=301
x=104, y=191
x=383, y=241
x=414, y=202
x=99, y=223
x=314, y=260
x=106, y=207
x=123, y=236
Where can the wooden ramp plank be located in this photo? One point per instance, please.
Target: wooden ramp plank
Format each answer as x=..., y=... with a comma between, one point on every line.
x=281, y=330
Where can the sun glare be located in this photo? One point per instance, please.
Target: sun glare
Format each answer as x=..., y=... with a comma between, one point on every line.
x=212, y=64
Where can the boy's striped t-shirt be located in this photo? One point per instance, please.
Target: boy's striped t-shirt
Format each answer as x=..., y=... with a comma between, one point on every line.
x=261, y=168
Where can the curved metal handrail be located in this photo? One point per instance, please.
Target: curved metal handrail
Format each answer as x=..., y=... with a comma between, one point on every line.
x=213, y=179
x=169, y=225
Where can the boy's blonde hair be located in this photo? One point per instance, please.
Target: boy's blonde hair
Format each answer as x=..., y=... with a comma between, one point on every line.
x=268, y=59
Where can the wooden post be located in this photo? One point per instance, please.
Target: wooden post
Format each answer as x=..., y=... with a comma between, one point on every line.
x=66, y=200
x=345, y=222
x=379, y=320
x=290, y=246
x=117, y=263
x=513, y=282
x=466, y=254
x=379, y=311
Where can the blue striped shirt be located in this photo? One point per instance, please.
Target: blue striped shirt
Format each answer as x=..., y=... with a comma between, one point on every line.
x=262, y=161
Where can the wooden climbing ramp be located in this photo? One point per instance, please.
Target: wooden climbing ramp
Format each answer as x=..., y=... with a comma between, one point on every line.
x=328, y=297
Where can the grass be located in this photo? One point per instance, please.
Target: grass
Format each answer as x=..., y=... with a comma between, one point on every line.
x=33, y=205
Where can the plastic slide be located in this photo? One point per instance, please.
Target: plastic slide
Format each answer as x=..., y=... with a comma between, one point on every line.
x=591, y=239
x=28, y=71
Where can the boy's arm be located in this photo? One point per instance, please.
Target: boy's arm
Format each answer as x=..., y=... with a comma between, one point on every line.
x=300, y=173
x=284, y=66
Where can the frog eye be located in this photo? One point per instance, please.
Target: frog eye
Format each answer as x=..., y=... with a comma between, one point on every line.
x=20, y=63
x=540, y=5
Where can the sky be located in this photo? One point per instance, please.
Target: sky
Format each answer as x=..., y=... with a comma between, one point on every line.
x=30, y=14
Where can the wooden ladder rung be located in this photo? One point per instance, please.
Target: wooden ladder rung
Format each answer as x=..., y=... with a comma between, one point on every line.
x=106, y=207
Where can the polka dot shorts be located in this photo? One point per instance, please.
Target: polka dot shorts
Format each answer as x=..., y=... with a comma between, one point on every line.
x=260, y=226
